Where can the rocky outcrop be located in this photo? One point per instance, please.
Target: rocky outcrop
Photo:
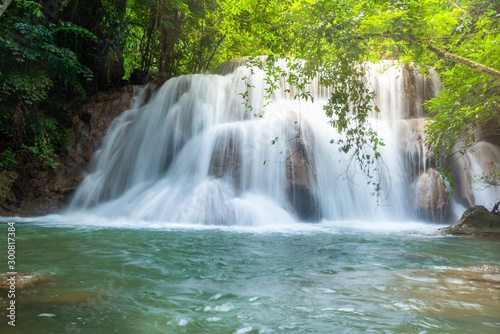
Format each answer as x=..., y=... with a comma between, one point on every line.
x=301, y=182
x=418, y=155
x=429, y=191
x=431, y=195
x=300, y=193
x=226, y=157
x=418, y=89
x=22, y=281
x=476, y=221
x=230, y=66
x=7, y=197
x=41, y=190
x=461, y=172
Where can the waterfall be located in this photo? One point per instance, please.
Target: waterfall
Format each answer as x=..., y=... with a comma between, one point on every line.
x=195, y=154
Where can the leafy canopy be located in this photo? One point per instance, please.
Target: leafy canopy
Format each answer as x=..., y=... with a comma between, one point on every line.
x=38, y=75
x=459, y=39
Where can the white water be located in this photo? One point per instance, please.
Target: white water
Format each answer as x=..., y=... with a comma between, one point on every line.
x=484, y=157
x=195, y=155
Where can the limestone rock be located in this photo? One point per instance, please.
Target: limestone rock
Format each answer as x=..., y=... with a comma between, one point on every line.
x=411, y=142
x=299, y=174
x=463, y=180
x=431, y=195
x=476, y=221
x=23, y=281
x=230, y=66
x=226, y=157
x=7, y=197
x=417, y=89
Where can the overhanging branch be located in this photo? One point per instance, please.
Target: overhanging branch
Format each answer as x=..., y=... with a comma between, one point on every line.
x=447, y=56
x=464, y=61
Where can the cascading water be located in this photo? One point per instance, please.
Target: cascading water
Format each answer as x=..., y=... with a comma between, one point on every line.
x=194, y=154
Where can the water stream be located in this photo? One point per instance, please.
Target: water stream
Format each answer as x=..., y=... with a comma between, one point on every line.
x=343, y=277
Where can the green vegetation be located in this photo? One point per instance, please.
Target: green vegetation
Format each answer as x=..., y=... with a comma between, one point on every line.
x=37, y=76
x=54, y=52
x=459, y=39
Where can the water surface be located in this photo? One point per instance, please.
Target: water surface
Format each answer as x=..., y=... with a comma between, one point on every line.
x=343, y=277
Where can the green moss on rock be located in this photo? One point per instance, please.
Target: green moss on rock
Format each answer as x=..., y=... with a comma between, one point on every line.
x=476, y=221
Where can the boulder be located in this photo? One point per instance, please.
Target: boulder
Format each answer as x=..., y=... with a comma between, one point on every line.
x=301, y=181
x=476, y=221
x=23, y=281
x=226, y=157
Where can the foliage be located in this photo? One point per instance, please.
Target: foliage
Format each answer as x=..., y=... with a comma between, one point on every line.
x=460, y=39
x=489, y=179
x=468, y=108
x=8, y=159
x=170, y=39
x=37, y=78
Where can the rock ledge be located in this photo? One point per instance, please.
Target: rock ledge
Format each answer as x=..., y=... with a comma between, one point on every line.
x=476, y=221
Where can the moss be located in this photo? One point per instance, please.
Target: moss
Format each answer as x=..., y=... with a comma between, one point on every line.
x=476, y=221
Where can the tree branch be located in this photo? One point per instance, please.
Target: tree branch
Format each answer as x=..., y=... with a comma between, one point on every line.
x=489, y=32
x=448, y=56
x=464, y=61
x=214, y=52
x=4, y=6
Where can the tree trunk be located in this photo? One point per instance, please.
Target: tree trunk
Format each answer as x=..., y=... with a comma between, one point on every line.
x=464, y=61
x=214, y=52
x=4, y=6
x=169, y=36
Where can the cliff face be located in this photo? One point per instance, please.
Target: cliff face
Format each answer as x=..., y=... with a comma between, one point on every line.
x=41, y=190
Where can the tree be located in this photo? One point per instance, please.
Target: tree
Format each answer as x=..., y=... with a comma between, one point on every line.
x=105, y=19
x=173, y=38
x=459, y=39
x=38, y=76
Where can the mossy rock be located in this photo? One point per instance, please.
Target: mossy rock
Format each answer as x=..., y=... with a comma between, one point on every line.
x=476, y=221
x=23, y=281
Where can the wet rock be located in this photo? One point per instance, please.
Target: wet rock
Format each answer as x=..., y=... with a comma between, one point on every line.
x=7, y=197
x=431, y=195
x=226, y=157
x=411, y=137
x=230, y=66
x=476, y=221
x=417, y=88
x=429, y=190
x=301, y=182
x=462, y=175
x=23, y=281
